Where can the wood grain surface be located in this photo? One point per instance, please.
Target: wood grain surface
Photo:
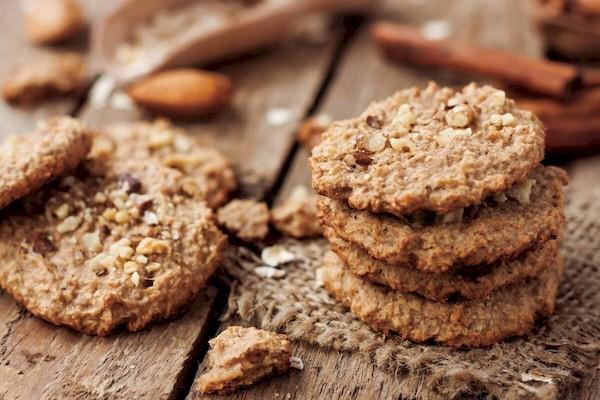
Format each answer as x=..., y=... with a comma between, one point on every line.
x=339, y=78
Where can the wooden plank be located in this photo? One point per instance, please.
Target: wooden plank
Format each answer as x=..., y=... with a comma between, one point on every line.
x=361, y=78
x=41, y=361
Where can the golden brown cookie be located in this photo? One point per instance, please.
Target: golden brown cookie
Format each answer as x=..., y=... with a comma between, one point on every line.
x=115, y=246
x=498, y=228
x=510, y=311
x=434, y=149
x=240, y=357
x=32, y=160
x=209, y=175
x=472, y=283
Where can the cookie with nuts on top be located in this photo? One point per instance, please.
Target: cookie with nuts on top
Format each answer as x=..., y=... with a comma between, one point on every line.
x=31, y=160
x=208, y=174
x=507, y=312
x=109, y=246
x=433, y=149
x=528, y=214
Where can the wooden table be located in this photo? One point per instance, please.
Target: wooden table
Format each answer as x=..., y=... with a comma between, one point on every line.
x=338, y=77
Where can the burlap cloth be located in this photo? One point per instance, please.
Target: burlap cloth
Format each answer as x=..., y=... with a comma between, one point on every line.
x=549, y=363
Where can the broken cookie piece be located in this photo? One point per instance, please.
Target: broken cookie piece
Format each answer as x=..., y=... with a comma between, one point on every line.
x=57, y=75
x=297, y=216
x=240, y=357
x=246, y=219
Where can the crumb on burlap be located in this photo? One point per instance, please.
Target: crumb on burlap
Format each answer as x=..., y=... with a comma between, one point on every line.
x=57, y=75
x=246, y=219
x=297, y=216
x=240, y=357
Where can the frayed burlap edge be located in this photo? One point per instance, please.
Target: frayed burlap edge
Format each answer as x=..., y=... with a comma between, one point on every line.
x=547, y=364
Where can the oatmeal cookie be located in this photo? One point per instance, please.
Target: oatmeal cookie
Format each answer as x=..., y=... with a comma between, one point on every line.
x=246, y=219
x=29, y=161
x=434, y=149
x=104, y=248
x=472, y=283
x=240, y=357
x=508, y=312
x=209, y=175
x=497, y=229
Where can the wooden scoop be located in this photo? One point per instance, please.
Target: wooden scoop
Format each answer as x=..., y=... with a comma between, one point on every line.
x=260, y=24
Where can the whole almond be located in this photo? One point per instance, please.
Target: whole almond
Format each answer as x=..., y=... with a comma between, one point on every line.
x=52, y=21
x=183, y=93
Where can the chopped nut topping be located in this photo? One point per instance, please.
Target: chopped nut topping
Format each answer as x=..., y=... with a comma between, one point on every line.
x=160, y=138
x=122, y=217
x=100, y=198
x=153, y=267
x=150, y=218
x=130, y=184
x=130, y=267
x=498, y=98
x=140, y=259
x=403, y=145
x=63, y=211
x=92, y=241
x=447, y=135
x=182, y=144
x=109, y=214
x=374, y=122
x=362, y=158
x=69, y=224
x=319, y=277
x=350, y=160
x=459, y=116
x=404, y=117
x=151, y=246
x=135, y=279
x=41, y=244
x=502, y=120
x=375, y=142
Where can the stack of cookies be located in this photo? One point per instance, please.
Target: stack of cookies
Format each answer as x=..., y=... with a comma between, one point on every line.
x=442, y=222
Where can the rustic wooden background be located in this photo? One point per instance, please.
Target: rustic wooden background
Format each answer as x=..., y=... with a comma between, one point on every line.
x=338, y=77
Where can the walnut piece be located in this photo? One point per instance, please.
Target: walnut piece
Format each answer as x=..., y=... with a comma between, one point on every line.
x=296, y=216
x=239, y=357
x=246, y=219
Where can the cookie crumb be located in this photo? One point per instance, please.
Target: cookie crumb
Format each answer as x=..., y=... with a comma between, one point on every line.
x=309, y=134
x=246, y=219
x=279, y=116
x=297, y=216
x=240, y=357
x=296, y=363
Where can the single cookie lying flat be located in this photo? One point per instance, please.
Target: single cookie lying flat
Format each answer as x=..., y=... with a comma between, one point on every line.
x=433, y=149
x=29, y=161
x=508, y=312
x=209, y=175
x=469, y=283
x=117, y=246
x=497, y=229
x=240, y=357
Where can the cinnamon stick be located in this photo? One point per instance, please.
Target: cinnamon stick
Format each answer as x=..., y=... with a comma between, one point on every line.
x=403, y=44
x=585, y=103
x=574, y=135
